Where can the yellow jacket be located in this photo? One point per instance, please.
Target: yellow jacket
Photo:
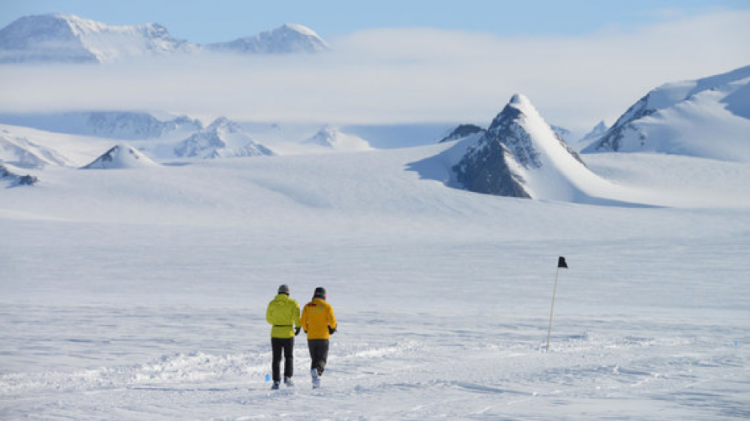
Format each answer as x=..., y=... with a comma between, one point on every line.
x=317, y=316
x=283, y=314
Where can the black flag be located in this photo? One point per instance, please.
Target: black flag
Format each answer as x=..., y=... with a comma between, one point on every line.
x=561, y=263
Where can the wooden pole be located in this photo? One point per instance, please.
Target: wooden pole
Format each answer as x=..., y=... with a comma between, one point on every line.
x=554, y=292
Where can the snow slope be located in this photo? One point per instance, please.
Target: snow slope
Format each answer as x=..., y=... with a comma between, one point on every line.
x=21, y=152
x=141, y=294
x=70, y=150
x=708, y=117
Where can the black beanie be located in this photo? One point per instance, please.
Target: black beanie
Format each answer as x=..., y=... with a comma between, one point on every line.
x=320, y=292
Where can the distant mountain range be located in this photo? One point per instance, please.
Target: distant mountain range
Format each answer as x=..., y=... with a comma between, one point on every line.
x=518, y=155
x=61, y=38
x=123, y=125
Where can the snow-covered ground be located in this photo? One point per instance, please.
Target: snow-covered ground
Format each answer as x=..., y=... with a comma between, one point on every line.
x=141, y=293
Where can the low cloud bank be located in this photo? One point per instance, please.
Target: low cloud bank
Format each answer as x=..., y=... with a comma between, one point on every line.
x=401, y=75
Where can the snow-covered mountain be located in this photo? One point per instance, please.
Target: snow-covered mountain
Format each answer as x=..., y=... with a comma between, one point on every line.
x=335, y=139
x=289, y=38
x=222, y=139
x=71, y=39
x=121, y=156
x=520, y=155
x=64, y=38
x=462, y=131
x=708, y=118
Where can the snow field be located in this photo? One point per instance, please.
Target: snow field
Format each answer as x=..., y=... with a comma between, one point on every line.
x=132, y=294
x=426, y=330
x=495, y=372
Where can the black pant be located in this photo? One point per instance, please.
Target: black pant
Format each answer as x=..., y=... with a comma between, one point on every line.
x=318, y=354
x=287, y=345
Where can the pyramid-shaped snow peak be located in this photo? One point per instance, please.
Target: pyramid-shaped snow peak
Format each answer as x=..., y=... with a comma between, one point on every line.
x=337, y=140
x=222, y=139
x=121, y=156
x=521, y=156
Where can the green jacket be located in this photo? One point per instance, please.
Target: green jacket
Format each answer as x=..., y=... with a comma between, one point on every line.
x=283, y=315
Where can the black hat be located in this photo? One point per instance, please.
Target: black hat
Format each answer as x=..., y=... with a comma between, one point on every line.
x=284, y=289
x=320, y=292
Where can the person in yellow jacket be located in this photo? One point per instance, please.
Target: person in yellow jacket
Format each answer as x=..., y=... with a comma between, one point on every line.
x=283, y=315
x=318, y=322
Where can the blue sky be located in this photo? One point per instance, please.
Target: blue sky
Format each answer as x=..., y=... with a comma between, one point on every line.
x=224, y=20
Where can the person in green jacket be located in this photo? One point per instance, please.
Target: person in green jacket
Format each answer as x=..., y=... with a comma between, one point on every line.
x=283, y=315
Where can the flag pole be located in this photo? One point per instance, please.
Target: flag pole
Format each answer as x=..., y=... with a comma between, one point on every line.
x=560, y=264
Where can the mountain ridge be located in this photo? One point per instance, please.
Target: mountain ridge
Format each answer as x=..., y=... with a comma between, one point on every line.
x=67, y=38
x=289, y=38
x=680, y=117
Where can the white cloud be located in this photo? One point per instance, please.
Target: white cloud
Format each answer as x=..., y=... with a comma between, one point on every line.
x=403, y=75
